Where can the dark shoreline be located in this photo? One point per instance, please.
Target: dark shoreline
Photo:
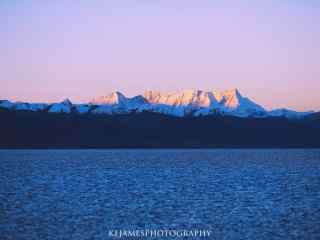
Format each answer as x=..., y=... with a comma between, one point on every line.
x=36, y=130
x=158, y=148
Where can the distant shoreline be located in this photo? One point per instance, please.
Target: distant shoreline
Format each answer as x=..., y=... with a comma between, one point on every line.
x=34, y=130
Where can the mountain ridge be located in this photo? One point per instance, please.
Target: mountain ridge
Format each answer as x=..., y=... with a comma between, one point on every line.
x=183, y=103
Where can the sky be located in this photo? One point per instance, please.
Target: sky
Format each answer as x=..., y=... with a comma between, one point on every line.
x=268, y=49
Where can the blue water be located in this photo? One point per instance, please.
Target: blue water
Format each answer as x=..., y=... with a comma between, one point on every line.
x=236, y=194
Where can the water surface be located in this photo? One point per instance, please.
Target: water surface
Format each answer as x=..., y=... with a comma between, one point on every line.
x=237, y=194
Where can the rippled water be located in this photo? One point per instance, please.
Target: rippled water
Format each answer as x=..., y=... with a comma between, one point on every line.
x=237, y=194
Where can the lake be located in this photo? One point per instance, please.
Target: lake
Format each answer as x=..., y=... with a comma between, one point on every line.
x=84, y=194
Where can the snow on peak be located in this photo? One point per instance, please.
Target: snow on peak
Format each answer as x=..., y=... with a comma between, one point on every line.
x=188, y=102
x=110, y=99
x=138, y=99
x=137, y=102
x=283, y=112
x=186, y=98
x=231, y=101
x=30, y=106
x=153, y=96
x=66, y=102
x=23, y=106
x=64, y=107
x=232, y=98
x=6, y=104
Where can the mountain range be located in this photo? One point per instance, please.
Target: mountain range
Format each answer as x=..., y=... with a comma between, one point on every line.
x=186, y=119
x=194, y=103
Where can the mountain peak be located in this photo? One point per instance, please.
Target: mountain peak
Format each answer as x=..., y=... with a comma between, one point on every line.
x=110, y=99
x=188, y=102
x=232, y=93
x=66, y=102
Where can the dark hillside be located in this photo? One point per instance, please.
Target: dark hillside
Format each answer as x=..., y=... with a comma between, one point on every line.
x=150, y=130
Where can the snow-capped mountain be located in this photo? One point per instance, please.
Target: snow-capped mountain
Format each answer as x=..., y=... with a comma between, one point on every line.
x=114, y=98
x=30, y=106
x=282, y=112
x=197, y=103
x=82, y=108
x=233, y=103
x=116, y=102
x=64, y=107
x=180, y=104
x=191, y=98
x=6, y=104
x=19, y=106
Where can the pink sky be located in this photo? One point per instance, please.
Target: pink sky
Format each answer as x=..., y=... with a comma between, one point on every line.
x=270, y=50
